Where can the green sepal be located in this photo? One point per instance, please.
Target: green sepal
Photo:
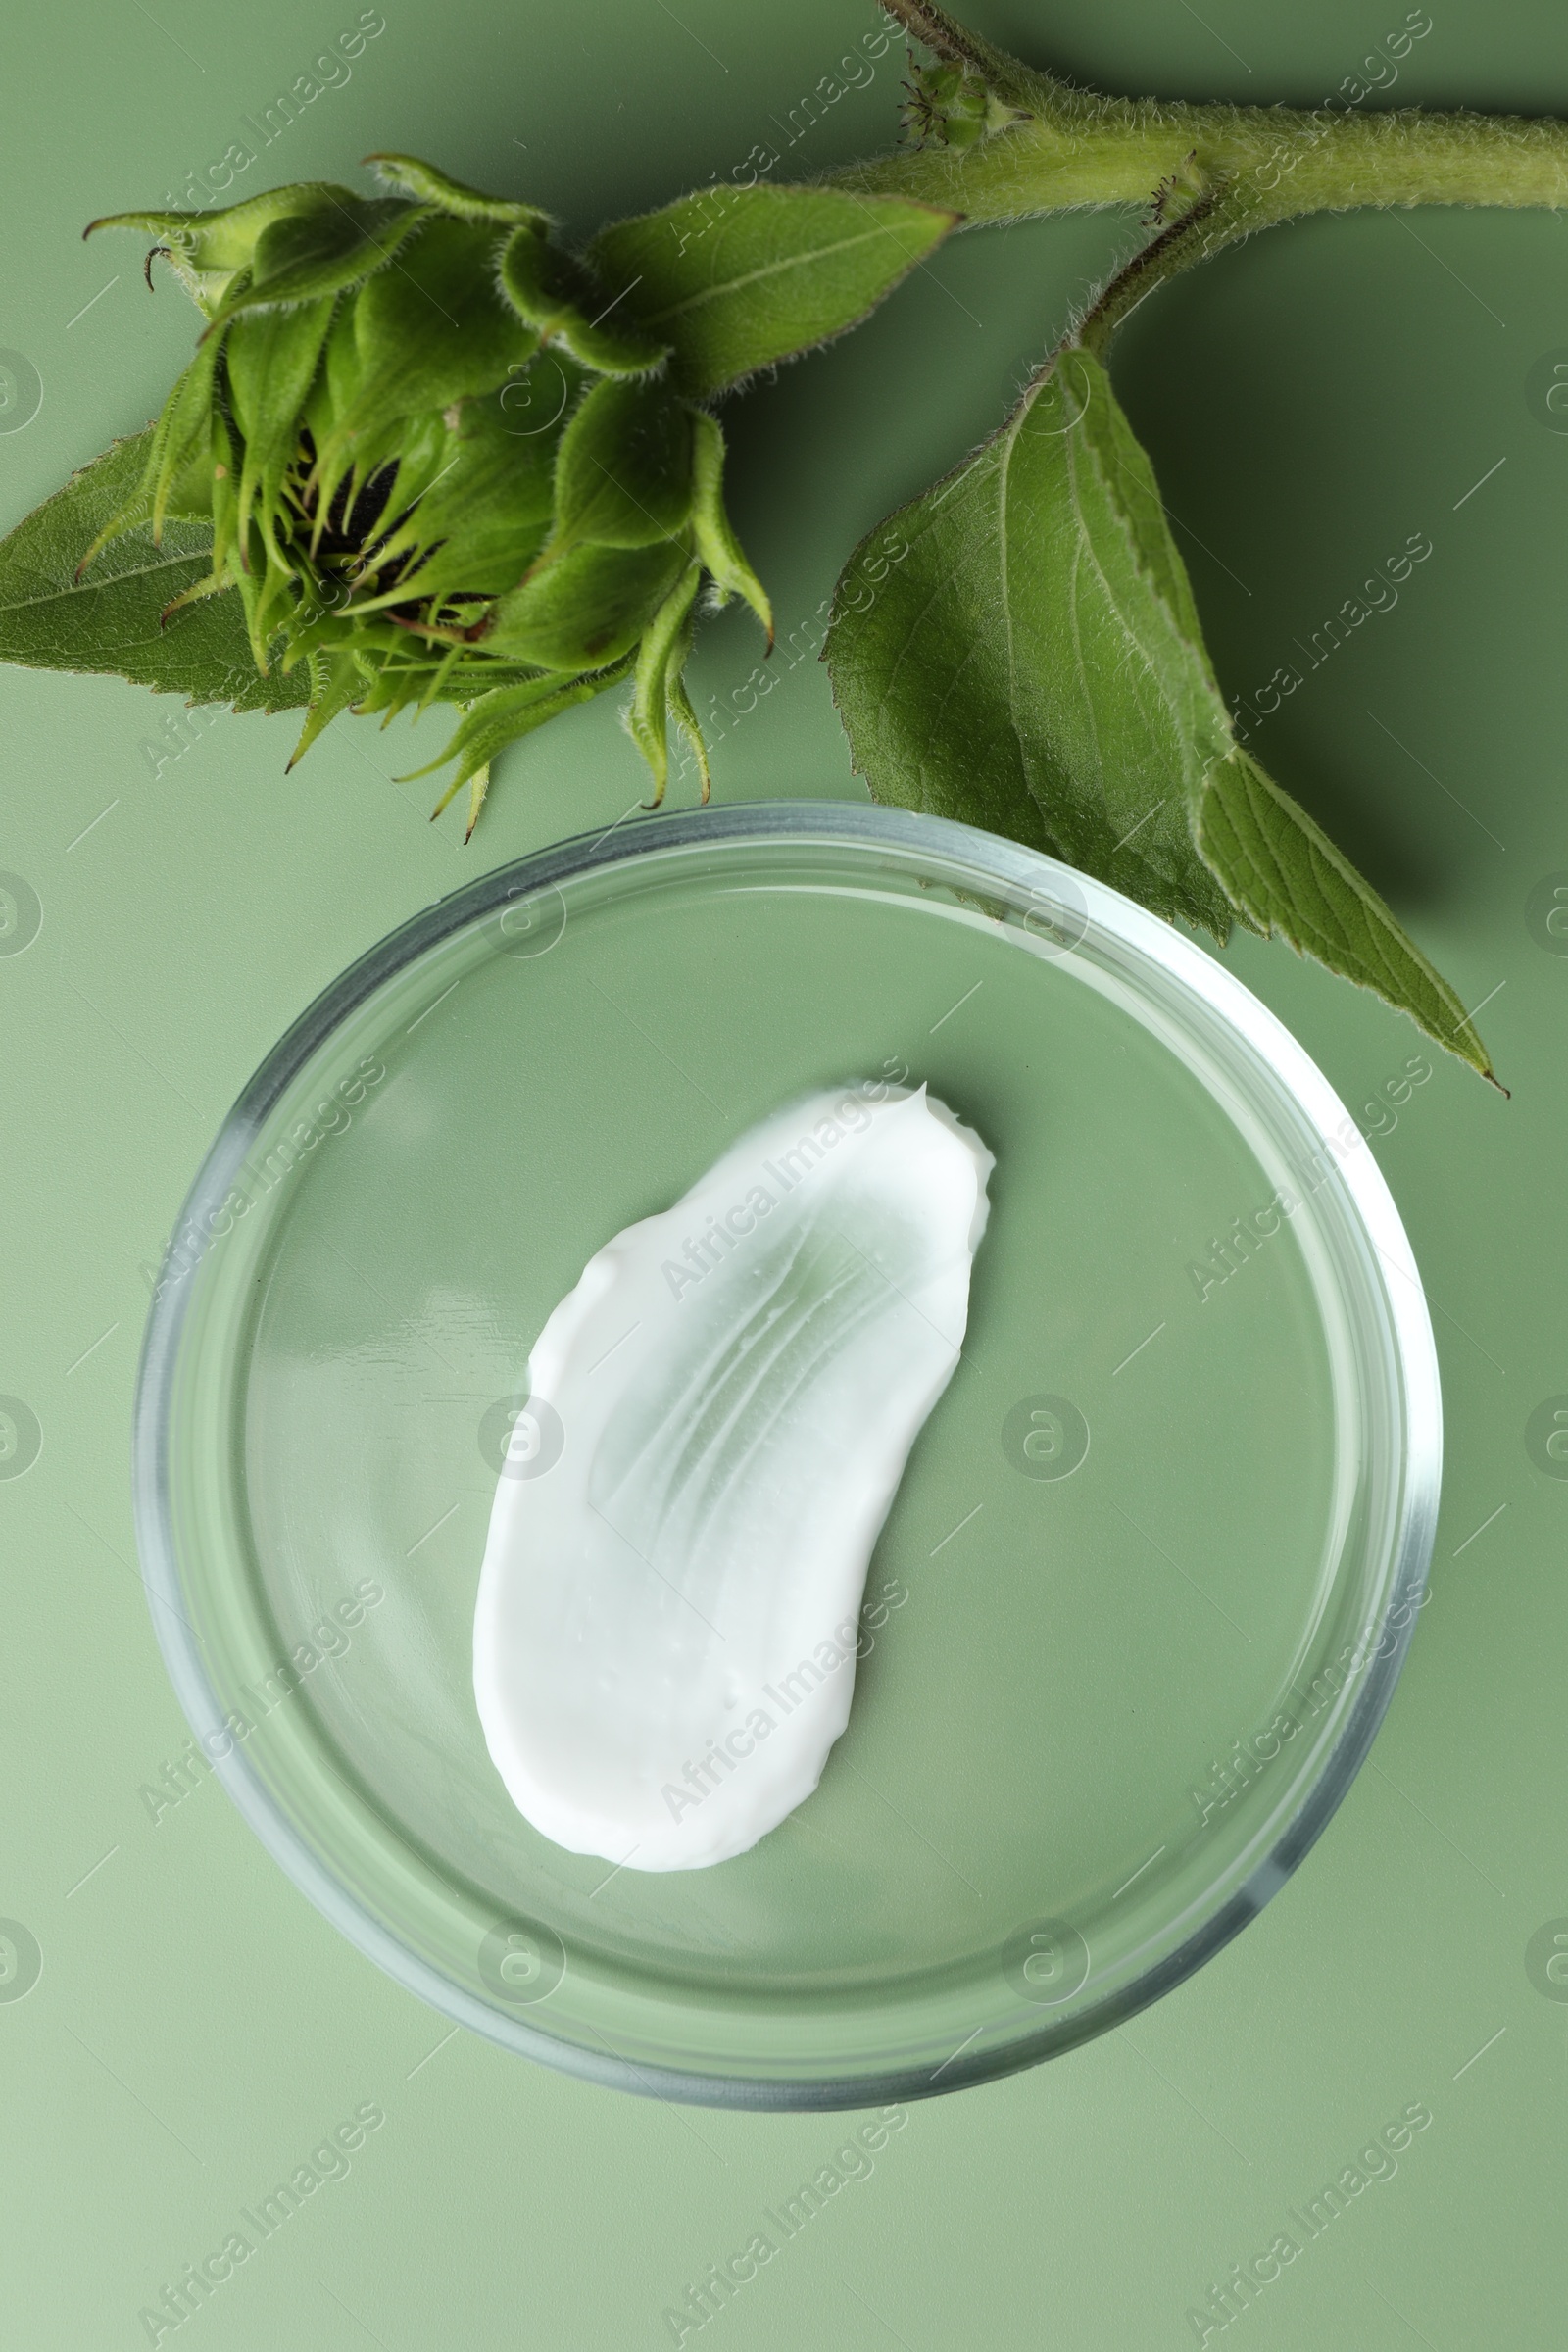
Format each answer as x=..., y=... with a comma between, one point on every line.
x=665, y=644
x=484, y=517
x=427, y=334
x=228, y=552
x=182, y=430
x=211, y=583
x=177, y=467
x=685, y=717
x=426, y=185
x=267, y=591
x=586, y=610
x=712, y=528
x=478, y=786
x=206, y=249
x=270, y=360
x=177, y=470
x=338, y=385
x=335, y=684
x=331, y=248
x=623, y=477
x=562, y=298
x=333, y=389
x=510, y=712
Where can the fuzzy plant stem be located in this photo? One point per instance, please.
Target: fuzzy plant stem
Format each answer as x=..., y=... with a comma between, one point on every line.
x=1050, y=148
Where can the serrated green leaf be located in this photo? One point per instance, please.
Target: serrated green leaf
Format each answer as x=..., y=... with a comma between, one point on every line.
x=1017, y=668
x=1020, y=648
x=557, y=294
x=737, y=282
x=1283, y=871
x=108, y=621
x=623, y=477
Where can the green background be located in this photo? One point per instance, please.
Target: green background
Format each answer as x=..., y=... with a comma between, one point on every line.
x=1310, y=401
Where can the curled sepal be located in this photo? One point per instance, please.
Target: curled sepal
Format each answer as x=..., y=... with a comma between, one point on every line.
x=426, y=185
x=331, y=248
x=507, y=713
x=712, y=530
x=667, y=642
x=478, y=786
x=561, y=299
x=685, y=717
x=206, y=249
x=336, y=683
x=623, y=477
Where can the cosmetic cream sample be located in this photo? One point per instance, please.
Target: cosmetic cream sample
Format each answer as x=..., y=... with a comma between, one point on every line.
x=719, y=1415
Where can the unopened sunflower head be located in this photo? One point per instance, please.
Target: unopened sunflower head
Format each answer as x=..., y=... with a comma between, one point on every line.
x=943, y=106
x=436, y=464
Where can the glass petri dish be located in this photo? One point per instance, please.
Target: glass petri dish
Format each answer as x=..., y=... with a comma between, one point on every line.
x=1145, y=1588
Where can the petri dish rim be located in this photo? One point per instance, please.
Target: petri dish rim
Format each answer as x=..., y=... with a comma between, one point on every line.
x=1227, y=1006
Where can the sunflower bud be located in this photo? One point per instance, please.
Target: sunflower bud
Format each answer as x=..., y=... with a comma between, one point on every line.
x=437, y=465
x=946, y=106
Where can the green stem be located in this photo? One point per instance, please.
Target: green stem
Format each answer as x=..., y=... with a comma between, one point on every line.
x=1067, y=149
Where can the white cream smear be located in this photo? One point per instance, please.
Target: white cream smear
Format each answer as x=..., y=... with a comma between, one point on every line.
x=719, y=1415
